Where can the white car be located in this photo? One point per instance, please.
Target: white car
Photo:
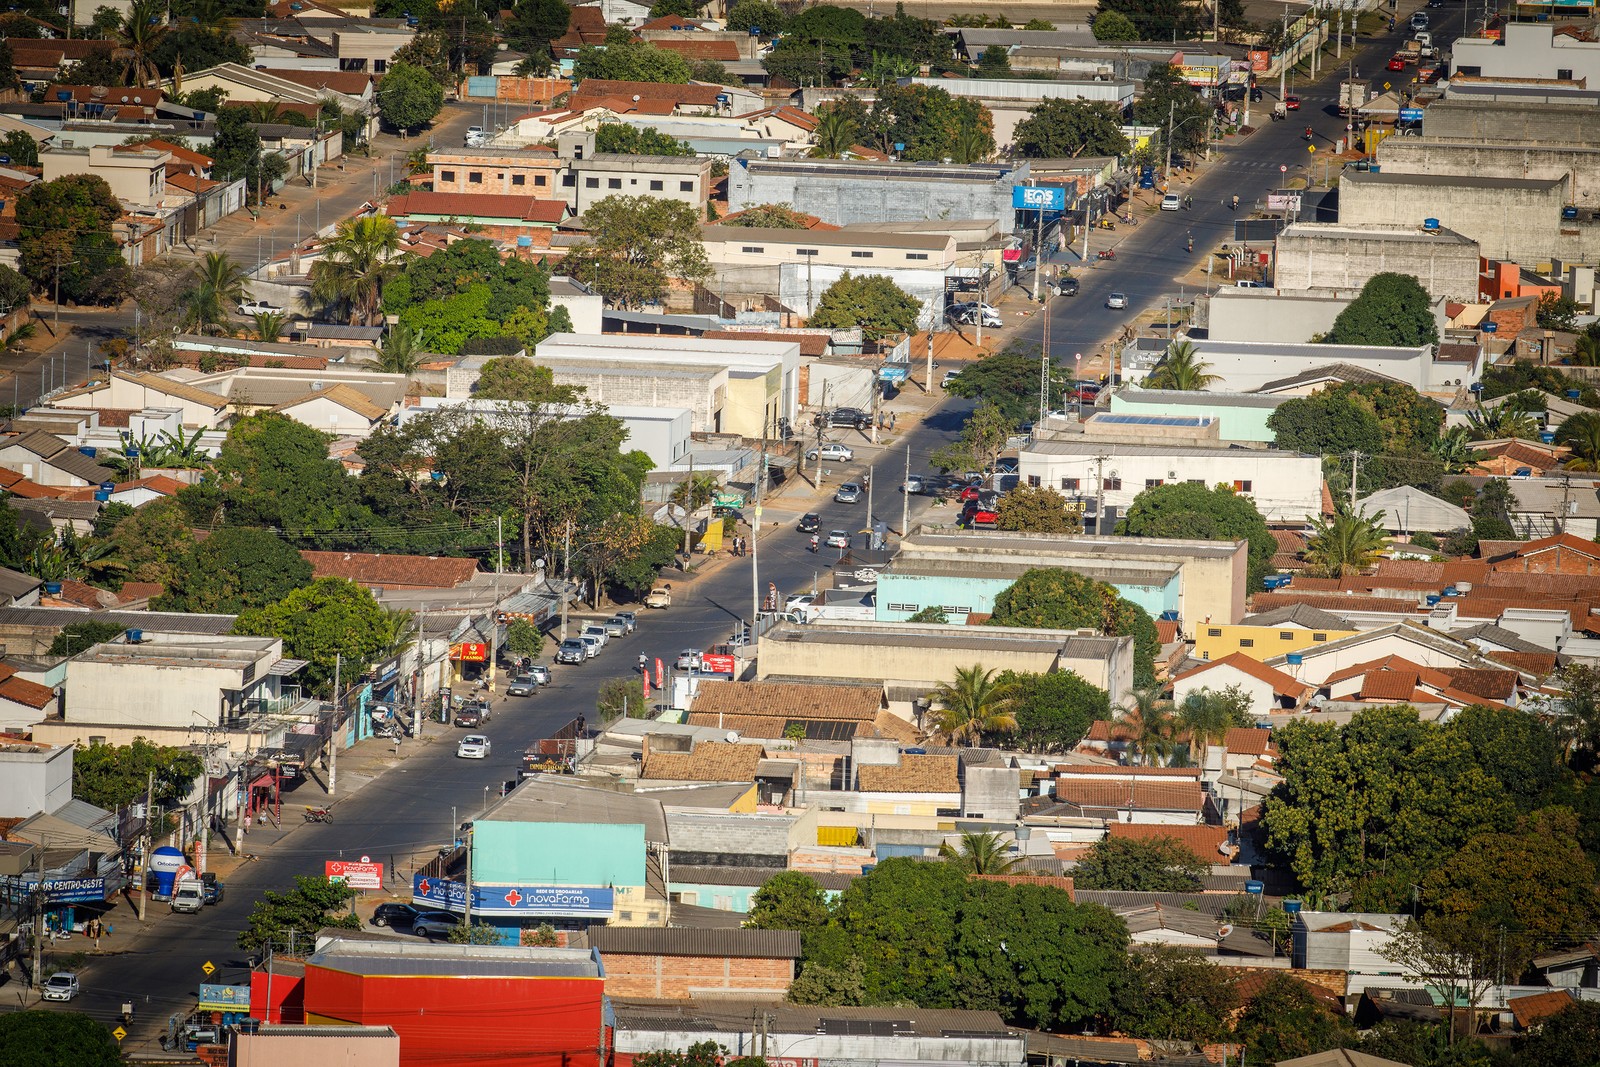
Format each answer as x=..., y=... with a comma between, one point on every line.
x=598, y=632
x=591, y=645
x=949, y=376
x=1117, y=301
x=474, y=136
x=688, y=660
x=63, y=985
x=838, y=453
x=259, y=307
x=798, y=601
x=838, y=539
x=473, y=746
x=1172, y=202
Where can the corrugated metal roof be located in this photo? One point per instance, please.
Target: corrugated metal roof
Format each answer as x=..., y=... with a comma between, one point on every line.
x=735, y=944
x=697, y=874
x=176, y=622
x=397, y=957
x=733, y=1016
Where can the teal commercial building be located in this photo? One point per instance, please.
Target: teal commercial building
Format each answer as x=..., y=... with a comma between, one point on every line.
x=965, y=588
x=731, y=888
x=1240, y=417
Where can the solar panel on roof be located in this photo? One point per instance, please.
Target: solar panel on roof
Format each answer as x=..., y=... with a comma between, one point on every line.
x=1125, y=419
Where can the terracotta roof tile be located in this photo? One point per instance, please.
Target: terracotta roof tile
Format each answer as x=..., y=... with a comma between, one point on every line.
x=477, y=206
x=1053, y=881
x=346, y=396
x=15, y=484
x=717, y=51
x=186, y=155
x=1538, y=1007
x=392, y=571
x=1282, y=684
x=711, y=761
x=788, y=700
x=1166, y=631
x=29, y=694
x=680, y=95
x=1145, y=796
x=1073, y=770
x=1388, y=685
x=1537, y=664
x=1209, y=844
x=1104, y=730
x=1248, y=741
x=348, y=82
x=1491, y=684
x=913, y=774
x=1335, y=602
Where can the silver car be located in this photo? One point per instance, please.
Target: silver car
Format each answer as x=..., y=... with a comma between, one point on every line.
x=849, y=493
x=591, y=645
x=523, y=685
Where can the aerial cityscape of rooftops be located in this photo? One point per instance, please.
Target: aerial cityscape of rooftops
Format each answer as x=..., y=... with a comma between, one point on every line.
x=776, y=533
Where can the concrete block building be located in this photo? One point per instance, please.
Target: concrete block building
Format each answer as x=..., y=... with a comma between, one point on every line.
x=677, y=964
x=1314, y=255
x=844, y=192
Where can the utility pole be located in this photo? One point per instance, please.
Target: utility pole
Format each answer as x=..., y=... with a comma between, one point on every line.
x=333, y=734
x=820, y=419
x=1566, y=492
x=466, y=913
x=499, y=545
x=566, y=566
x=38, y=921
x=755, y=529
x=1099, y=495
x=1283, y=62
x=928, y=382
x=1355, y=472
x=905, y=498
x=1166, y=173
x=877, y=398
x=1038, y=247
x=422, y=653
x=1044, y=366
x=145, y=843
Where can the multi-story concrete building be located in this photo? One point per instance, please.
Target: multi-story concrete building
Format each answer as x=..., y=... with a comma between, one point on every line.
x=137, y=178
x=1543, y=50
x=844, y=192
x=587, y=181
x=34, y=777
x=1315, y=255
x=1259, y=366
x=504, y=171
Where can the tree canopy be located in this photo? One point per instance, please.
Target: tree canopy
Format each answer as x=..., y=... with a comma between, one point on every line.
x=65, y=239
x=331, y=617
x=313, y=903
x=1166, y=96
x=1392, y=309
x=1057, y=599
x=1037, y=509
x=1160, y=865
x=42, y=1038
x=624, y=57
x=1059, y=129
x=1053, y=712
x=636, y=243
x=1008, y=379
x=623, y=139
x=114, y=776
x=233, y=570
x=1182, y=510
x=409, y=97
x=930, y=123
x=870, y=302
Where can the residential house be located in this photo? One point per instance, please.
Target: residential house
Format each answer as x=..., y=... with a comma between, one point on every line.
x=1270, y=691
x=246, y=84
x=916, y=785
x=1409, y=641
x=122, y=390
x=1207, y=844
x=344, y=400
x=384, y=572
x=844, y=192
x=1173, y=927
x=23, y=703
x=342, y=410
x=686, y=179
x=1396, y=680
x=1285, y=486
x=496, y=216
x=50, y=461
x=1270, y=633
x=694, y=98
x=136, y=177
x=777, y=710
x=1261, y=366
x=1144, y=799
x=1351, y=943
x=534, y=171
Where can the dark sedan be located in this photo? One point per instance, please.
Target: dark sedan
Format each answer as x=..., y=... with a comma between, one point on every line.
x=395, y=914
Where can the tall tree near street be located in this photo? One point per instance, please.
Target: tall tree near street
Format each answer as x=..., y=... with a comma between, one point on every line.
x=234, y=569
x=1181, y=369
x=312, y=904
x=355, y=264
x=983, y=437
x=971, y=707
x=1037, y=509
x=1167, y=99
x=1009, y=380
x=65, y=239
x=1057, y=129
x=408, y=97
x=114, y=776
x=928, y=121
x=626, y=58
x=790, y=900
x=636, y=244
x=1392, y=309
x=320, y=622
x=870, y=302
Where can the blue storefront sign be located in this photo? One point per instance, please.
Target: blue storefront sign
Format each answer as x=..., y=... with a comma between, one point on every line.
x=56, y=890
x=224, y=997
x=511, y=901
x=897, y=372
x=1039, y=197
x=1411, y=114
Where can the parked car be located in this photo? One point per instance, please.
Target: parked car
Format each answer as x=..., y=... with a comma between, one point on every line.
x=469, y=718
x=688, y=660
x=830, y=451
x=615, y=627
x=211, y=889
x=485, y=712
x=63, y=985
x=394, y=914
x=523, y=685
x=799, y=601
x=1171, y=202
x=1086, y=393
x=968, y=314
x=571, y=651
x=848, y=493
x=598, y=632
x=539, y=673
x=432, y=924
x=188, y=895
x=1397, y=62
x=259, y=307
x=949, y=376
x=474, y=136
x=628, y=618
x=1117, y=301
x=850, y=417
x=838, y=539
x=810, y=522
x=473, y=746
x=591, y=645
x=975, y=514
x=660, y=597
x=1067, y=285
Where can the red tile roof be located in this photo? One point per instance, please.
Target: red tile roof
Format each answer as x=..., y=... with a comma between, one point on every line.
x=1166, y=630
x=381, y=569
x=1487, y=683
x=1388, y=685
x=1054, y=881
x=1209, y=844
x=670, y=22
x=17, y=485
x=1335, y=602
x=348, y=82
x=29, y=694
x=1537, y=1007
x=1249, y=741
x=1282, y=684
x=716, y=51
x=1144, y=796
x=477, y=206
x=1537, y=664
x=680, y=95
x=786, y=112
x=1073, y=770
x=1103, y=730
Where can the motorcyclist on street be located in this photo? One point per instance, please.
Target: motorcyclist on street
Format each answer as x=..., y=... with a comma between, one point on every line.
x=1191, y=242
x=1234, y=203
x=815, y=541
x=1308, y=134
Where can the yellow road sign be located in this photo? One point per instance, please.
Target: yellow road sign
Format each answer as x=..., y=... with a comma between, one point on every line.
x=119, y=1033
x=207, y=967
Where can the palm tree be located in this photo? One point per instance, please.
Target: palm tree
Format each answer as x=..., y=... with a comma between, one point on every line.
x=1150, y=726
x=1182, y=370
x=972, y=706
x=1206, y=717
x=354, y=265
x=142, y=29
x=1581, y=433
x=270, y=325
x=1454, y=452
x=1586, y=352
x=171, y=451
x=399, y=633
x=836, y=133
x=1507, y=419
x=265, y=111
x=971, y=146
x=218, y=284
x=1345, y=544
x=981, y=854
x=400, y=353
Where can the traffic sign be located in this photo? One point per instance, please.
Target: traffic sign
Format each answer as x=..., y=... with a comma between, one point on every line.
x=119, y=1033
x=1311, y=148
x=208, y=968
x=366, y=859
x=1386, y=85
x=1282, y=169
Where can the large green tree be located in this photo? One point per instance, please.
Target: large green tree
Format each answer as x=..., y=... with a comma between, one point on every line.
x=789, y=900
x=114, y=776
x=152, y=541
x=409, y=97
x=1167, y=100
x=1057, y=599
x=234, y=569
x=621, y=138
x=1392, y=309
x=636, y=244
x=1053, y=711
x=1059, y=129
x=1009, y=379
x=66, y=242
x=1568, y=1037
x=328, y=619
x=80, y=636
x=1160, y=865
x=871, y=302
x=626, y=58
x=1284, y=1020
x=928, y=121
x=1158, y=20
x=1038, y=509
x=1183, y=510
x=1175, y=995
x=535, y=23
x=297, y=914
x=43, y=1038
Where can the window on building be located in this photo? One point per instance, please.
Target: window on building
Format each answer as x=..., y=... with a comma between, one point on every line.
x=519, y=179
x=1319, y=637
x=916, y=255
x=1070, y=485
x=1242, y=486
x=1285, y=635
x=1247, y=642
x=805, y=252
x=538, y=180
x=1112, y=484
x=1563, y=74
x=568, y=181
x=1033, y=480
x=1213, y=632
x=613, y=183
x=686, y=187
x=1470, y=72
x=475, y=177
x=1151, y=483
x=447, y=175
x=912, y=608
x=591, y=183
x=754, y=249
x=1205, y=655
x=380, y=65
x=656, y=186
x=1197, y=481
x=858, y=254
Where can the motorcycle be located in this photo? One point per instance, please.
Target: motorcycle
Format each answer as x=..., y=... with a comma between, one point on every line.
x=1189, y=245
x=1127, y=219
x=1233, y=204
x=1308, y=134
x=319, y=814
x=815, y=542
x=1109, y=253
x=1105, y=224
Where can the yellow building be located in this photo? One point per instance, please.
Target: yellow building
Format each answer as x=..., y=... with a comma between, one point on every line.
x=1273, y=633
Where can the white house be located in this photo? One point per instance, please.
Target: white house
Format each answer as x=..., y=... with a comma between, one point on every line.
x=1352, y=943
x=1269, y=690
x=1406, y=640
x=1247, y=366
x=1406, y=509
x=1285, y=486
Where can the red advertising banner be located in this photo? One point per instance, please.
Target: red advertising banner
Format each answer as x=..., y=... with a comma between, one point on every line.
x=471, y=651
x=1260, y=60
x=715, y=663
x=354, y=875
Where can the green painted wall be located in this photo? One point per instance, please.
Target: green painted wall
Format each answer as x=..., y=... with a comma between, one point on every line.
x=558, y=853
x=1234, y=423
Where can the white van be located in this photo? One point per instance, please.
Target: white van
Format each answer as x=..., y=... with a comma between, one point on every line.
x=188, y=895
